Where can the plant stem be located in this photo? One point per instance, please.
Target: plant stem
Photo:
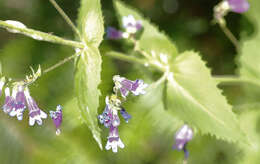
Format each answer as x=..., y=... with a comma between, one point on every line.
x=38, y=35
x=233, y=79
x=65, y=17
x=61, y=63
x=230, y=36
x=133, y=59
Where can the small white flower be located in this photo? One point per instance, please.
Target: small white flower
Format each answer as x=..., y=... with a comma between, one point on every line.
x=114, y=144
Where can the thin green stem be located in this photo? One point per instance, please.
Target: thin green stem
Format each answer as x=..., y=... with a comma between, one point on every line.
x=60, y=63
x=234, y=79
x=230, y=36
x=133, y=59
x=138, y=49
x=65, y=17
x=38, y=35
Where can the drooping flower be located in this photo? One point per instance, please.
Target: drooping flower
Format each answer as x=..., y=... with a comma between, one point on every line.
x=221, y=9
x=109, y=116
x=114, y=34
x=2, y=83
x=131, y=25
x=106, y=117
x=35, y=113
x=182, y=137
x=9, y=103
x=125, y=115
x=238, y=6
x=125, y=86
x=56, y=116
x=20, y=102
x=113, y=140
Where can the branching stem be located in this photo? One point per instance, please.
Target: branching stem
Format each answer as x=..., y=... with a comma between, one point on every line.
x=230, y=36
x=133, y=59
x=60, y=63
x=235, y=79
x=65, y=17
x=42, y=36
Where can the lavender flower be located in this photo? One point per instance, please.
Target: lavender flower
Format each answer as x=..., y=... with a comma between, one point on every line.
x=56, y=116
x=113, y=140
x=20, y=102
x=131, y=25
x=9, y=103
x=109, y=116
x=125, y=86
x=114, y=34
x=106, y=117
x=182, y=137
x=2, y=83
x=125, y=115
x=238, y=6
x=35, y=113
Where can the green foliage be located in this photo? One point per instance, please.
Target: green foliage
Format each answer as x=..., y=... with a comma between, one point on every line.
x=88, y=68
x=151, y=39
x=87, y=79
x=250, y=55
x=194, y=97
x=90, y=22
x=250, y=120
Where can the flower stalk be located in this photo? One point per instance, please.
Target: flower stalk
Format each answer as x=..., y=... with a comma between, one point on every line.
x=38, y=35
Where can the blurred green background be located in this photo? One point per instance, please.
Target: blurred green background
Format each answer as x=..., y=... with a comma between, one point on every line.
x=148, y=140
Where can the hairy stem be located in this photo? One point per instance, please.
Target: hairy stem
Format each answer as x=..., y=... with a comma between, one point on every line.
x=235, y=79
x=65, y=17
x=38, y=35
x=133, y=59
x=230, y=36
x=60, y=63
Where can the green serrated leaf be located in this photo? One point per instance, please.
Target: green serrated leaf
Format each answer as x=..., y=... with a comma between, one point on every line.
x=193, y=96
x=249, y=121
x=87, y=79
x=90, y=21
x=151, y=39
x=250, y=55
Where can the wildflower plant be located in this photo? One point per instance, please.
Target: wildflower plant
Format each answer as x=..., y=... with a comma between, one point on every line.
x=189, y=91
x=109, y=118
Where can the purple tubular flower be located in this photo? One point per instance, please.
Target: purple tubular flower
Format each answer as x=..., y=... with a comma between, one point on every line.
x=106, y=117
x=9, y=104
x=20, y=103
x=125, y=86
x=182, y=137
x=56, y=116
x=113, y=140
x=2, y=83
x=113, y=33
x=125, y=115
x=35, y=113
x=238, y=6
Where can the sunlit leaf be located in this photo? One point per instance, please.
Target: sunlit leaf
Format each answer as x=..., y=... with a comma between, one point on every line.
x=90, y=21
x=87, y=79
x=250, y=56
x=193, y=96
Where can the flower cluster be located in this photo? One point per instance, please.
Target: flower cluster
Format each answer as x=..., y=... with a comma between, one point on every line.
x=182, y=137
x=18, y=99
x=237, y=6
x=130, y=25
x=109, y=118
